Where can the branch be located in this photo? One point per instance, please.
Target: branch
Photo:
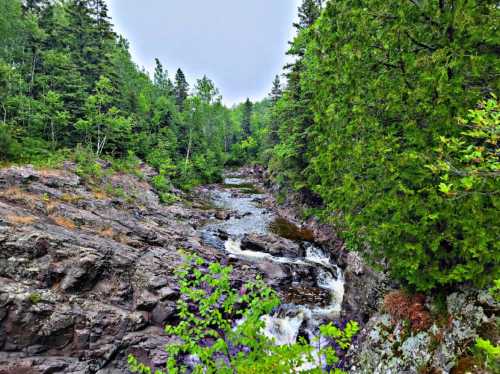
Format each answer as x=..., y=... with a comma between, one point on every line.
x=420, y=44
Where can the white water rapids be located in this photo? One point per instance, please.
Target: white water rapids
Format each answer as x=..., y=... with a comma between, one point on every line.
x=291, y=320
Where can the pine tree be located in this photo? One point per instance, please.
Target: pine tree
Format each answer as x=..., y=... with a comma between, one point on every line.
x=181, y=89
x=293, y=120
x=276, y=91
x=161, y=79
x=273, y=125
x=91, y=39
x=309, y=12
x=246, y=122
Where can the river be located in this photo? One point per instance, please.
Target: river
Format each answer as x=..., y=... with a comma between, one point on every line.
x=311, y=271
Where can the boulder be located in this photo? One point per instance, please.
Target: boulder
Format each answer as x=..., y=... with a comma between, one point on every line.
x=272, y=244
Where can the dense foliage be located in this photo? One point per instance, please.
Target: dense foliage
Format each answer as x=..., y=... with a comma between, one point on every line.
x=220, y=329
x=388, y=120
x=66, y=79
x=374, y=123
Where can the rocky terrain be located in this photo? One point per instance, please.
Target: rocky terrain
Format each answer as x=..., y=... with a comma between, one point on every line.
x=87, y=273
x=87, y=276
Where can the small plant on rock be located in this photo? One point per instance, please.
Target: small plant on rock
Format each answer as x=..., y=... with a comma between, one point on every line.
x=220, y=329
x=35, y=298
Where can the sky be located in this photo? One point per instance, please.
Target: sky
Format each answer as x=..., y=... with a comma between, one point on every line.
x=239, y=44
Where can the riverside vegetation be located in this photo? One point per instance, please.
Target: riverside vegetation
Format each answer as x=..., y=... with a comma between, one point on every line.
x=386, y=127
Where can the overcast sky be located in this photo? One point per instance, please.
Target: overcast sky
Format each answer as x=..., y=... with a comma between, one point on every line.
x=240, y=44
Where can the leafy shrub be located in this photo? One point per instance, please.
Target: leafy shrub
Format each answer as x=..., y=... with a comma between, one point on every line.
x=9, y=147
x=222, y=328
x=208, y=167
x=129, y=164
x=87, y=165
x=163, y=186
x=489, y=353
x=168, y=198
x=160, y=159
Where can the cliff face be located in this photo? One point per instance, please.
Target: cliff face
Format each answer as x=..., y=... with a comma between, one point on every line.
x=87, y=277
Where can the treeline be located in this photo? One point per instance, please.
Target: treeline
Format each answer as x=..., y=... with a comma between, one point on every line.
x=67, y=81
x=389, y=127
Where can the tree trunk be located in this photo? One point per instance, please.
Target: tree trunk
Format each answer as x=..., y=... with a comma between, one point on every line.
x=4, y=114
x=53, y=133
x=189, y=149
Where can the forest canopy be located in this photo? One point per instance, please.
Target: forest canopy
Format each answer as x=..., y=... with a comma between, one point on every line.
x=67, y=80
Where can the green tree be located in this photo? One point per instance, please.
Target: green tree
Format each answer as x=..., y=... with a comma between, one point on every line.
x=309, y=12
x=161, y=80
x=55, y=115
x=205, y=89
x=246, y=122
x=103, y=126
x=375, y=88
x=181, y=89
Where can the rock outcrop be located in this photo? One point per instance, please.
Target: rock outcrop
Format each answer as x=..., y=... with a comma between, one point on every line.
x=391, y=347
x=87, y=271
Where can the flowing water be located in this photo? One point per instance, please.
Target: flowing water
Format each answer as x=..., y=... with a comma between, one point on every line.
x=248, y=216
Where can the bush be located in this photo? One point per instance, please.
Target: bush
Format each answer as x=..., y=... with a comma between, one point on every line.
x=87, y=166
x=222, y=328
x=489, y=354
x=168, y=198
x=129, y=164
x=9, y=147
x=208, y=167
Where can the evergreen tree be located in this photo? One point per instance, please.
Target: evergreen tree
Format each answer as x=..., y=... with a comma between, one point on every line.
x=273, y=127
x=91, y=39
x=276, y=91
x=161, y=79
x=309, y=12
x=181, y=89
x=368, y=116
x=246, y=122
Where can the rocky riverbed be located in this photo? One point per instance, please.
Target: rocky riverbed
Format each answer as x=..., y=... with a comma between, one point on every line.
x=87, y=277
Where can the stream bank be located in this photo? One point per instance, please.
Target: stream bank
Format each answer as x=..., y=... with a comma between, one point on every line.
x=87, y=275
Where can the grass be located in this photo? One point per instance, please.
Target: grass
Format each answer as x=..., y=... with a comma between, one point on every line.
x=71, y=198
x=16, y=194
x=64, y=222
x=21, y=220
x=51, y=207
